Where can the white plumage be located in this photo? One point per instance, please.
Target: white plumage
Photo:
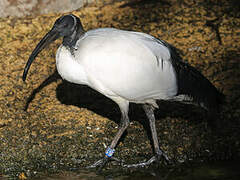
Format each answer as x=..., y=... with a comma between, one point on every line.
x=133, y=66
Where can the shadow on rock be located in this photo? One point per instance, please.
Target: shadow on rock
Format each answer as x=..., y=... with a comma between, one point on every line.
x=85, y=97
x=52, y=78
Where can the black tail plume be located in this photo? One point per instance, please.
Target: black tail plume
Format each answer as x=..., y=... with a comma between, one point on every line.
x=193, y=84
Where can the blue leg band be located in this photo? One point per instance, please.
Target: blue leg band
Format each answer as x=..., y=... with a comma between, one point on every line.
x=109, y=152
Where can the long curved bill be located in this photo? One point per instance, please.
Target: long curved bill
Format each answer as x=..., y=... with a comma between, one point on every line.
x=51, y=36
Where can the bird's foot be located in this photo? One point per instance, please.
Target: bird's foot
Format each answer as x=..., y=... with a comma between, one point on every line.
x=156, y=158
x=102, y=162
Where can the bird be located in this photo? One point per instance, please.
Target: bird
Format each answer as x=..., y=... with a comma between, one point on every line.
x=127, y=67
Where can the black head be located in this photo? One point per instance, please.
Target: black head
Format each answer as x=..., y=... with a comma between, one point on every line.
x=69, y=27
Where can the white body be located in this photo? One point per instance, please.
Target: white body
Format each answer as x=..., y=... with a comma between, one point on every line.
x=123, y=65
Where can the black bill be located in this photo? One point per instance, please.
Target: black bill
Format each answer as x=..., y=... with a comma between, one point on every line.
x=51, y=36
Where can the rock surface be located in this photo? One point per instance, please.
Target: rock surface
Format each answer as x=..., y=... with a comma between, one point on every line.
x=67, y=126
x=30, y=7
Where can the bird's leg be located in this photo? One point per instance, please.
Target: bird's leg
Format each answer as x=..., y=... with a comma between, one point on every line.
x=158, y=152
x=111, y=149
x=150, y=114
x=123, y=126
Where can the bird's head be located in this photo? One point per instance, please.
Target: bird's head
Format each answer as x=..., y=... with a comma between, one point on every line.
x=69, y=27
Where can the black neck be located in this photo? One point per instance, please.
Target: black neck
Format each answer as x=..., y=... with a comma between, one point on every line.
x=71, y=40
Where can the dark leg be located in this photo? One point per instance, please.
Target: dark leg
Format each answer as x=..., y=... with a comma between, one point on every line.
x=123, y=126
x=150, y=114
x=158, y=152
x=111, y=149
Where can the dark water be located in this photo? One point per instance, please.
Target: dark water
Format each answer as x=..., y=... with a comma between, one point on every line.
x=224, y=170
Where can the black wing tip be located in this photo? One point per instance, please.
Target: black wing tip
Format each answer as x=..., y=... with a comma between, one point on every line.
x=215, y=102
x=220, y=101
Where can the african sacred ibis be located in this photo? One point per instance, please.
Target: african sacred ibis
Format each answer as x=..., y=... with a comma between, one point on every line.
x=126, y=66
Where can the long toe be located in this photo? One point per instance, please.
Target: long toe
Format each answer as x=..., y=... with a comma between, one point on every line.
x=141, y=164
x=100, y=163
x=156, y=158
